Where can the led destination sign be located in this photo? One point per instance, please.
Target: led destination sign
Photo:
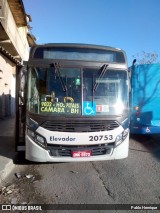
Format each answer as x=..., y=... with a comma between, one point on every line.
x=60, y=108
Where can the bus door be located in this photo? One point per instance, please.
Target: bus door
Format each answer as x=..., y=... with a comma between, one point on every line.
x=21, y=77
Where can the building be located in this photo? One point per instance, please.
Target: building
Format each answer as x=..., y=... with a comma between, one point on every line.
x=15, y=40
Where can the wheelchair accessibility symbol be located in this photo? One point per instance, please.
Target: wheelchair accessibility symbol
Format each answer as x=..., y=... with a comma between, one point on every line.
x=148, y=130
x=89, y=108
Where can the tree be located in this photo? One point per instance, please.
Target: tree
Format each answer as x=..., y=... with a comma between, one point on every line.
x=146, y=58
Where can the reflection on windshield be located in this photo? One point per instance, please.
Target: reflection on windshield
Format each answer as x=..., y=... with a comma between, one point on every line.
x=46, y=94
x=111, y=94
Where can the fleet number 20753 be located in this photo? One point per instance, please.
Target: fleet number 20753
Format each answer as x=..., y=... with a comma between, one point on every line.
x=101, y=138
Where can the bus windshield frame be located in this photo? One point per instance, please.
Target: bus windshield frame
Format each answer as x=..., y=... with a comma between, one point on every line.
x=69, y=91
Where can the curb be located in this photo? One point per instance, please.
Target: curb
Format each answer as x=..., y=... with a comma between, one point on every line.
x=7, y=168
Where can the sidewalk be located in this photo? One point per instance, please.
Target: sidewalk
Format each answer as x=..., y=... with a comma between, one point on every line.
x=7, y=147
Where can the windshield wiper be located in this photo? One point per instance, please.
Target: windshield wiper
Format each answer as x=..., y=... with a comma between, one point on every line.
x=57, y=70
x=103, y=71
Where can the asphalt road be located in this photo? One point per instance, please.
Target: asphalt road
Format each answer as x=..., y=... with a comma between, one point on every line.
x=134, y=180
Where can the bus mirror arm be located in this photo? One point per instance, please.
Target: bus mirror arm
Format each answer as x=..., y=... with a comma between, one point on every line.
x=21, y=96
x=134, y=61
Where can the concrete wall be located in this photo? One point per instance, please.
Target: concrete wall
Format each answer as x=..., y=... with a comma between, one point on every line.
x=7, y=87
x=18, y=47
x=17, y=35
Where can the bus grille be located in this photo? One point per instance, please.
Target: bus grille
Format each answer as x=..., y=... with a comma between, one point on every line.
x=66, y=151
x=78, y=126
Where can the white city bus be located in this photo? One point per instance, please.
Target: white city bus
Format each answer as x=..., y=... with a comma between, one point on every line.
x=73, y=104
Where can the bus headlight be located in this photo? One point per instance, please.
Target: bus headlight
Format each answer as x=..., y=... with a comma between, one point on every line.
x=40, y=139
x=121, y=137
x=36, y=137
x=31, y=133
x=32, y=124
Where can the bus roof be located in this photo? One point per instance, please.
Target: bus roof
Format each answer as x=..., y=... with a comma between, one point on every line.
x=79, y=45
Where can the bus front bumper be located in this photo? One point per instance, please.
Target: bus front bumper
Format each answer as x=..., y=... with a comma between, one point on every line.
x=36, y=153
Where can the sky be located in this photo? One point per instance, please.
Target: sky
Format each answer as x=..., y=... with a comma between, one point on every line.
x=132, y=25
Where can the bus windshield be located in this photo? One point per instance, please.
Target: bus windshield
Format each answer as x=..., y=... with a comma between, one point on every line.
x=71, y=91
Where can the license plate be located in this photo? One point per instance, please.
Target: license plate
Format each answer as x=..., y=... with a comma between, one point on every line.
x=77, y=154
